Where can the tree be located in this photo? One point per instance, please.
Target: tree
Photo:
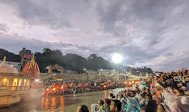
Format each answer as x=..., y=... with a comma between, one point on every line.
x=75, y=62
x=95, y=63
x=9, y=56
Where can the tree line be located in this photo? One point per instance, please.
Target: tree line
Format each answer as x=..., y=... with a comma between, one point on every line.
x=73, y=62
x=9, y=56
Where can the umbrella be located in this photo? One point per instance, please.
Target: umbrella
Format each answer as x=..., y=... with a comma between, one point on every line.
x=72, y=85
x=65, y=85
x=87, y=84
x=80, y=85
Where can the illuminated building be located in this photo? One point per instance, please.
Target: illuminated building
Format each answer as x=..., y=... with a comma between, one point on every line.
x=11, y=79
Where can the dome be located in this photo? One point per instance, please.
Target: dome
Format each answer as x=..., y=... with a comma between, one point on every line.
x=7, y=69
x=31, y=69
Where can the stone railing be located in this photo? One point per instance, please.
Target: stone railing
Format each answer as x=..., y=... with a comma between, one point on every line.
x=15, y=88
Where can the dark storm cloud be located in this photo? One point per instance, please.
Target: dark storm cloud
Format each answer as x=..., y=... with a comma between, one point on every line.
x=147, y=32
x=155, y=21
x=149, y=17
x=16, y=43
x=38, y=12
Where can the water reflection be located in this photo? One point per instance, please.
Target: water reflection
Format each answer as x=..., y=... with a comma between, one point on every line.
x=56, y=103
x=65, y=103
x=61, y=103
x=52, y=102
x=105, y=94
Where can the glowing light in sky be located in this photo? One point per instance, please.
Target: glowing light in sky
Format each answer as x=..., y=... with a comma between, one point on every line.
x=117, y=58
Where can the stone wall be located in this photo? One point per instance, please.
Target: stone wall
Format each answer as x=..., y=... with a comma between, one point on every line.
x=69, y=77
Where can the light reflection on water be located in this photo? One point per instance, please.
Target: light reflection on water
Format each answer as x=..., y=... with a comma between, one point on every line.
x=105, y=94
x=52, y=102
x=34, y=101
x=69, y=103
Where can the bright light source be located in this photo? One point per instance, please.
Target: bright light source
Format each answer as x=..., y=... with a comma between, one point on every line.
x=37, y=80
x=117, y=58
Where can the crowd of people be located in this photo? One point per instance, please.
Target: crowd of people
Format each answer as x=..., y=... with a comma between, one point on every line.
x=72, y=87
x=163, y=92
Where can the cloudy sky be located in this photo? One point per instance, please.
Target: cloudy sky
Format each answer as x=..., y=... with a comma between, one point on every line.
x=153, y=33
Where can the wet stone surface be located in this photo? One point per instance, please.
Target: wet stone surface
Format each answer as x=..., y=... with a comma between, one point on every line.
x=36, y=102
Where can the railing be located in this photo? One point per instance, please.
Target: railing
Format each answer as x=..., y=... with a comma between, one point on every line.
x=15, y=88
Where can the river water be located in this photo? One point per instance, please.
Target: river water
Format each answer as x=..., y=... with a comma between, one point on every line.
x=34, y=101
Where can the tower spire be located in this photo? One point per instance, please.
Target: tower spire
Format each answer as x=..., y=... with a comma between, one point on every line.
x=33, y=57
x=4, y=58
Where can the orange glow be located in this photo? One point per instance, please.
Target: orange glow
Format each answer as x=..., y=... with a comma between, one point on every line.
x=62, y=103
x=46, y=103
x=129, y=82
x=132, y=81
x=62, y=87
x=105, y=94
x=5, y=82
x=42, y=102
x=53, y=102
x=125, y=82
x=47, y=89
x=54, y=89
x=20, y=82
x=15, y=82
x=104, y=86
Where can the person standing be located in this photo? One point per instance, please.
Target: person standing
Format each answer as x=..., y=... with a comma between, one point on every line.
x=143, y=83
x=151, y=103
x=115, y=106
x=132, y=105
x=103, y=106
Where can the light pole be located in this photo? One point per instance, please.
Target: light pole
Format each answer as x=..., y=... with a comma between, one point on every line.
x=117, y=59
x=86, y=72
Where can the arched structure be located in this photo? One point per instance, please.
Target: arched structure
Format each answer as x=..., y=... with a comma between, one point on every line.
x=55, y=69
x=11, y=79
